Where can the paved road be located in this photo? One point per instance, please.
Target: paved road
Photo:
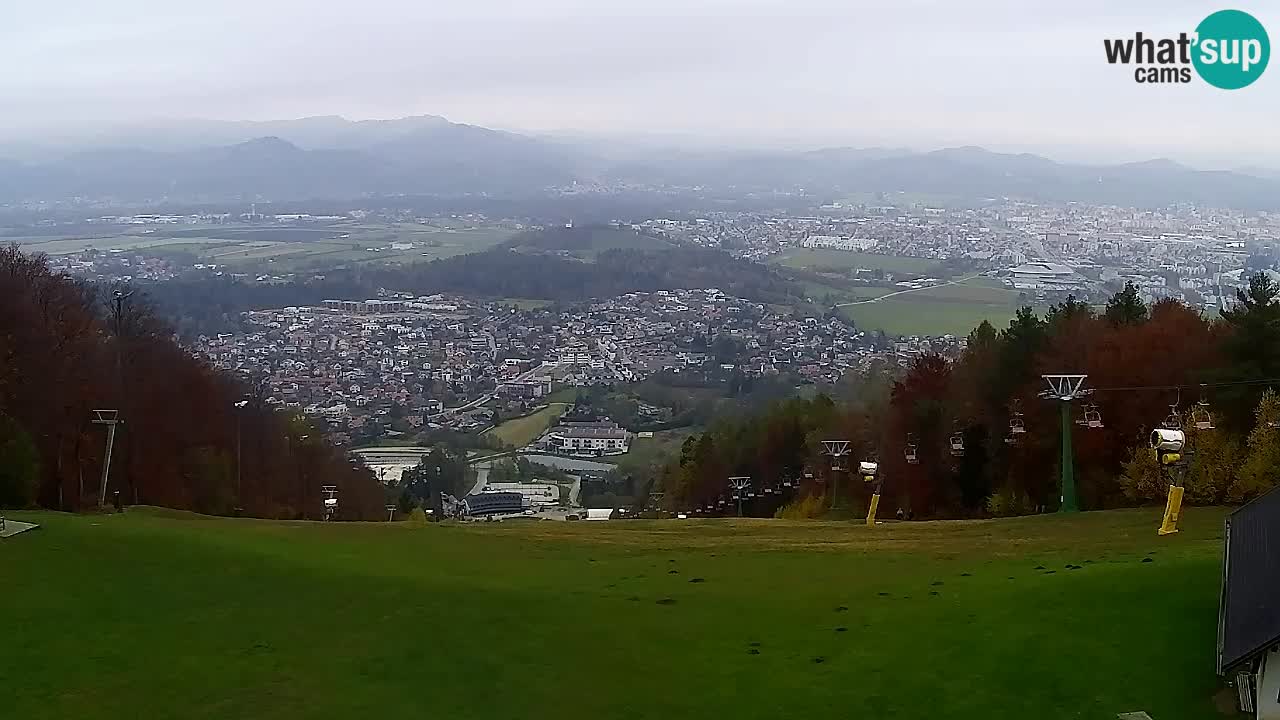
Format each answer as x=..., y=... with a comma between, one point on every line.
x=568, y=464
x=957, y=281
x=482, y=477
x=575, y=491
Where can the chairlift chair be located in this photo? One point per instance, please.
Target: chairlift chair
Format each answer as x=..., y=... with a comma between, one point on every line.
x=910, y=453
x=957, y=445
x=1201, y=417
x=1092, y=418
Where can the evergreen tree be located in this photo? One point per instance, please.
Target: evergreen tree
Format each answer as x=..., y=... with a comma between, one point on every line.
x=1260, y=470
x=1252, y=348
x=1019, y=345
x=1066, y=311
x=1126, y=307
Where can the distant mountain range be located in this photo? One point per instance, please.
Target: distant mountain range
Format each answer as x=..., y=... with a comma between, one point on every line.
x=332, y=158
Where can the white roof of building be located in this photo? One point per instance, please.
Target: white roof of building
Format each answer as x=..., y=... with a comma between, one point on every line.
x=1042, y=268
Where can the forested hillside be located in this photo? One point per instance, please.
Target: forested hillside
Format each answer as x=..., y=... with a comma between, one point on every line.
x=586, y=239
x=556, y=264
x=68, y=348
x=511, y=273
x=1140, y=361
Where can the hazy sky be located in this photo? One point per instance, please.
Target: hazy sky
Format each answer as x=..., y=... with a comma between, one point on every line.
x=1013, y=74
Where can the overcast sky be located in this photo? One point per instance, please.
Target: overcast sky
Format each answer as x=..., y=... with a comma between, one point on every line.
x=1009, y=74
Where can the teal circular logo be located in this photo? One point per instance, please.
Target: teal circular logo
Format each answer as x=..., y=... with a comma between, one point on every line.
x=1232, y=49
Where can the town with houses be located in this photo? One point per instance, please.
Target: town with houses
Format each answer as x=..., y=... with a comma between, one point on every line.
x=1181, y=252
x=401, y=364
x=410, y=364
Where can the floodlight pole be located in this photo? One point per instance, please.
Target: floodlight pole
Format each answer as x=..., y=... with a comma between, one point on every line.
x=1065, y=389
x=239, y=406
x=108, y=418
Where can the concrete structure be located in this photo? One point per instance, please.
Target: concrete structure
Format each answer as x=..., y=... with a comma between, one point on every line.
x=9, y=528
x=389, y=462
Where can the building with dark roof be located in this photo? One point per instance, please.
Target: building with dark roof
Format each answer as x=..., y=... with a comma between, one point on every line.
x=493, y=503
x=1249, y=608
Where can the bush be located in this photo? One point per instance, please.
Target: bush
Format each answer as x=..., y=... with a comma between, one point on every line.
x=1009, y=502
x=1213, y=467
x=19, y=465
x=1141, y=479
x=1260, y=470
x=1210, y=473
x=805, y=508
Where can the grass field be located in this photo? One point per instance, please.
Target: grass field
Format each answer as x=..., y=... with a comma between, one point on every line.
x=821, y=258
x=166, y=615
x=523, y=430
x=526, y=303
x=566, y=394
x=664, y=443
x=945, y=309
x=286, y=248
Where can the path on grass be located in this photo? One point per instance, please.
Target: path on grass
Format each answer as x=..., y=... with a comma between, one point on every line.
x=957, y=281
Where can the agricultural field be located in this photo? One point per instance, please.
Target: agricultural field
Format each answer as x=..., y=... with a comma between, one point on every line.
x=286, y=248
x=172, y=615
x=523, y=430
x=825, y=259
x=944, y=309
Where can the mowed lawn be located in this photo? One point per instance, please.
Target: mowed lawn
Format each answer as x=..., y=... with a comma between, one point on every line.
x=166, y=615
x=523, y=430
x=943, y=309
